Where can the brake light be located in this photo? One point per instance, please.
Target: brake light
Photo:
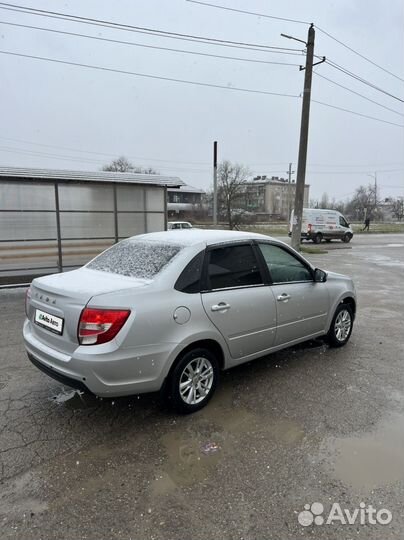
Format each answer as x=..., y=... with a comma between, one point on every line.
x=309, y=227
x=100, y=325
x=28, y=294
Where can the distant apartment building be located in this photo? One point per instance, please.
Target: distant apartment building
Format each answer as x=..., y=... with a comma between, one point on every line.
x=184, y=202
x=271, y=198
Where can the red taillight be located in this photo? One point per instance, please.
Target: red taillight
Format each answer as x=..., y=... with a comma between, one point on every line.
x=28, y=294
x=100, y=325
x=309, y=227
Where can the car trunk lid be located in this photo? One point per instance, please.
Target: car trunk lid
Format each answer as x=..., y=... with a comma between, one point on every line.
x=64, y=296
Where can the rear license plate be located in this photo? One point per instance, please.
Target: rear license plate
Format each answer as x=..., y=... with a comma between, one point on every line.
x=48, y=321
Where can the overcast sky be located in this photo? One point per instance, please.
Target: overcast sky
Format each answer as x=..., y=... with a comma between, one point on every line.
x=68, y=117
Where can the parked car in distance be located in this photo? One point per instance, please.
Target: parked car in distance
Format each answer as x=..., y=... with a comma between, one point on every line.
x=320, y=224
x=171, y=225
x=167, y=312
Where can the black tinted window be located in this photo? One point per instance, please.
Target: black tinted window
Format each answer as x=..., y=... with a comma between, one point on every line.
x=190, y=278
x=234, y=266
x=135, y=258
x=284, y=266
x=343, y=222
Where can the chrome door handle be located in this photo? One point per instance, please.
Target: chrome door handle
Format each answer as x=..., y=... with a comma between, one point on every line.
x=221, y=306
x=283, y=297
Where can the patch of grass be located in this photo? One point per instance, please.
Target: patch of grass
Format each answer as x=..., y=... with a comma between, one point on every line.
x=312, y=250
x=276, y=229
x=281, y=229
x=379, y=228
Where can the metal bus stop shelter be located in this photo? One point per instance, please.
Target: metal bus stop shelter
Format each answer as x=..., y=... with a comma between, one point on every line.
x=56, y=220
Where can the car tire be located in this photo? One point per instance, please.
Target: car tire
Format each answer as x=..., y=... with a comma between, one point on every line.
x=341, y=326
x=317, y=238
x=186, y=393
x=346, y=238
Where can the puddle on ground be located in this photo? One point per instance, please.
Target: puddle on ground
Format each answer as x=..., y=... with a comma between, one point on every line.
x=74, y=399
x=379, y=313
x=194, y=452
x=369, y=461
x=383, y=260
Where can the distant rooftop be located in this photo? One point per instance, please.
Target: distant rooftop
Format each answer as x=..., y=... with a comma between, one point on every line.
x=186, y=188
x=272, y=180
x=49, y=175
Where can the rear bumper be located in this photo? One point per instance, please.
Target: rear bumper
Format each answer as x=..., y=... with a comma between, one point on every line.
x=303, y=235
x=104, y=370
x=64, y=379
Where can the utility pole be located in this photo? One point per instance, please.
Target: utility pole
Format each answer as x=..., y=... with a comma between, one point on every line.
x=215, y=183
x=375, y=190
x=304, y=134
x=289, y=172
x=375, y=179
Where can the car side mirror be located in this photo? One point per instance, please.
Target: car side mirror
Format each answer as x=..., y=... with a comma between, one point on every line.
x=320, y=276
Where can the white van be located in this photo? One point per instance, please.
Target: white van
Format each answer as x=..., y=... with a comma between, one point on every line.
x=320, y=224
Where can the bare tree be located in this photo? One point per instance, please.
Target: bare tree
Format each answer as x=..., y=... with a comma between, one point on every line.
x=364, y=202
x=231, y=186
x=122, y=164
x=398, y=208
x=325, y=201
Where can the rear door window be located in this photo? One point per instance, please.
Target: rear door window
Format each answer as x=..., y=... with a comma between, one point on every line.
x=233, y=266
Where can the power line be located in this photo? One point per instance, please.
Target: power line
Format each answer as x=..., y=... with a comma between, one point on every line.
x=184, y=81
x=374, y=166
x=361, y=79
x=148, y=76
x=356, y=113
x=107, y=155
x=356, y=172
x=77, y=159
x=98, y=38
x=359, y=54
x=357, y=93
x=264, y=15
x=207, y=4
x=143, y=30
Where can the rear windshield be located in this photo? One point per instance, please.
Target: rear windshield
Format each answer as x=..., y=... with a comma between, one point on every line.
x=135, y=259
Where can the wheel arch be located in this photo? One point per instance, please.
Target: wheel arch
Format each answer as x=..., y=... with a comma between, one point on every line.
x=347, y=298
x=351, y=303
x=207, y=343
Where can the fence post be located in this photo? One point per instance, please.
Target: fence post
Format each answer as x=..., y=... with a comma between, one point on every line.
x=58, y=230
x=165, y=208
x=116, y=214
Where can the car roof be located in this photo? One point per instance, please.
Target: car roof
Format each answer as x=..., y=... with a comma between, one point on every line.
x=172, y=222
x=322, y=210
x=200, y=236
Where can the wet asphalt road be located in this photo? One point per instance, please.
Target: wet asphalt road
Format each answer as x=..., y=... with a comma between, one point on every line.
x=305, y=425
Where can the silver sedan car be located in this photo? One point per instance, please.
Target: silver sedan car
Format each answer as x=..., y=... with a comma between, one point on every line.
x=168, y=311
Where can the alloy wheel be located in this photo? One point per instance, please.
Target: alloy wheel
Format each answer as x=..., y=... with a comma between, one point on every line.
x=196, y=380
x=342, y=325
